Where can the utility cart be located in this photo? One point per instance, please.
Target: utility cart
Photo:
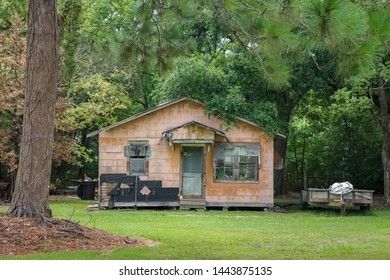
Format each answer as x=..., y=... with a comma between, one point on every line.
x=353, y=199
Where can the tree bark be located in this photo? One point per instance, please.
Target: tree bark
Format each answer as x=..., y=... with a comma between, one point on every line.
x=384, y=123
x=30, y=197
x=279, y=187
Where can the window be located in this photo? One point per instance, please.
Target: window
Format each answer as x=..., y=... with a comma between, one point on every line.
x=137, y=153
x=236, y=161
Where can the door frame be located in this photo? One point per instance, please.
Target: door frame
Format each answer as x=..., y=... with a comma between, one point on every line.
x=203, y=168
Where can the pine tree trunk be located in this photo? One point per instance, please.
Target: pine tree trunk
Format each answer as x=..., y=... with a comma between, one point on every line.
x=384, y=122
x=30, y=197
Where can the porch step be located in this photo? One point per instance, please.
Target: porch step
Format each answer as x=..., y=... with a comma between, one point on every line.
x=192, y=204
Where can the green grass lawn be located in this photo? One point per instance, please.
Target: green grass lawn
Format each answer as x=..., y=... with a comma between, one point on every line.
x=220, y=235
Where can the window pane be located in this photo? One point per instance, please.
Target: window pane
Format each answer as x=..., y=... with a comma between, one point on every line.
x=220, y=163
x=220, y=172
x=224, y=173
x=248, y=172
x=236, y=161
x=244, y=159
x=248, y=168
x=228, y=172
x=137, y=165
x=241, y=151
x=228, y=155
x=193, y=160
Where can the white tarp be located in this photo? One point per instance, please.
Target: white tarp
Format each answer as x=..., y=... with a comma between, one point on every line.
x=341, y=188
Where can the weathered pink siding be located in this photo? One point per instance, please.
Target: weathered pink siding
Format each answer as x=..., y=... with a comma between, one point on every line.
x=165, y=159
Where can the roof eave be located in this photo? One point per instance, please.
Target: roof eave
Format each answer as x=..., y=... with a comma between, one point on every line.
x=256, y=125
x=139, y=115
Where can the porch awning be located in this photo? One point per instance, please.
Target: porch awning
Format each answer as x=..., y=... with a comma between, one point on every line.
x=192, y=133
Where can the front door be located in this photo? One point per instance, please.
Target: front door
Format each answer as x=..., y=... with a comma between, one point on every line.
x=192, y=170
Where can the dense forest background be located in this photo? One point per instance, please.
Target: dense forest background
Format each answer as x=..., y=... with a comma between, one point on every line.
x=315, y=71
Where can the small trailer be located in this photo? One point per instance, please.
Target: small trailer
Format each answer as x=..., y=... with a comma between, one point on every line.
x=354, y=199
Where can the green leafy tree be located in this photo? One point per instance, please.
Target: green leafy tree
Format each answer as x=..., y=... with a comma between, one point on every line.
x=359, y=45
x=333, y=139
x=12, y=65
x=96, y=101
x=70, y=11
x=284, y=35
x=197, y=78
x=12, y=77
x=8, y=10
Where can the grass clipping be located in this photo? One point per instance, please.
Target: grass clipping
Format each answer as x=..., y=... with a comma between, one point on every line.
x=25, y=236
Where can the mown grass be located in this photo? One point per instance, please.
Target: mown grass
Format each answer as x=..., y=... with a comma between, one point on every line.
x=219, y=235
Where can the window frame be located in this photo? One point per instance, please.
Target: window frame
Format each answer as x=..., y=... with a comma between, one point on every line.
x=137, y=151
x=242, y=158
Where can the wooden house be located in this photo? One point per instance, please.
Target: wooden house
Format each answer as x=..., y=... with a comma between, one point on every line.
x=174, y=155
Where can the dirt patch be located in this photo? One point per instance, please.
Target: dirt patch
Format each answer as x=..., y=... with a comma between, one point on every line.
x=25, y=236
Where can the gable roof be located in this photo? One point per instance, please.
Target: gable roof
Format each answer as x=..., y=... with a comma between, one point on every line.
x=159, y=107
x=216, y=131
x=169, y=133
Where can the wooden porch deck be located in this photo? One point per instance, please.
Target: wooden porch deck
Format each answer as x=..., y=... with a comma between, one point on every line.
x=192, y=204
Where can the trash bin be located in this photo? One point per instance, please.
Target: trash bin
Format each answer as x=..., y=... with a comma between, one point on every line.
x=86, y=190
